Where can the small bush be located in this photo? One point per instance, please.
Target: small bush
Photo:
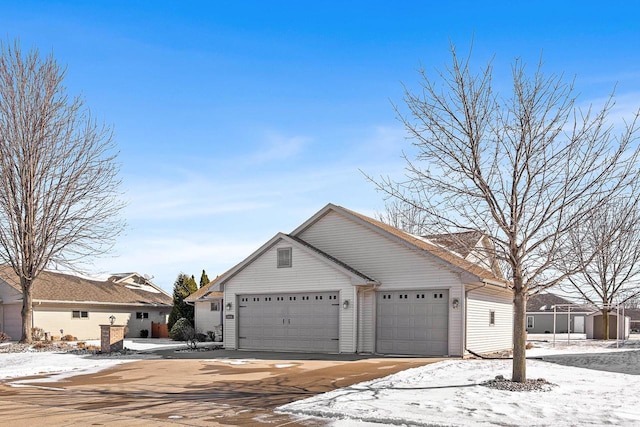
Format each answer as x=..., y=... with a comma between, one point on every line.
x=200, y=337
x=69, y=337
x=40, y=345
x=81, y=344
x=4, y=337
x=211, y=335
x=37, y=334
x=144, y=333
x=181, y=330
x=55, y=338
x=529, y=346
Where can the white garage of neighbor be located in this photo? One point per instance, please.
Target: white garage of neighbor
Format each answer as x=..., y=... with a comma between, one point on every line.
x=345, y=283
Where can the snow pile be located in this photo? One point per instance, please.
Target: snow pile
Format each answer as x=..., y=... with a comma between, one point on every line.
x=449, y=393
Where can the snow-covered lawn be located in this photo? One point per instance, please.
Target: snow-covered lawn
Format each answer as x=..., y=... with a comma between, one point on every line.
x=594, y=385
x=32, y=363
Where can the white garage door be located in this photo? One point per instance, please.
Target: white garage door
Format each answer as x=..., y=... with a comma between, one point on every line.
x=412, y=322
x=289, y=322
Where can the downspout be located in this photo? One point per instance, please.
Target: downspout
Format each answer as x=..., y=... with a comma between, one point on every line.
x=466, y=300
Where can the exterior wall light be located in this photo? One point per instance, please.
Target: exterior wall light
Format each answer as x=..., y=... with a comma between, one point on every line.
x=455, y=303
x=345, y=304
x=112, y=319
x=229, y=306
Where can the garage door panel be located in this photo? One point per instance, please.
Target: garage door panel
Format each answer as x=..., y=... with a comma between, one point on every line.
x=290, y=322
x=412, y=322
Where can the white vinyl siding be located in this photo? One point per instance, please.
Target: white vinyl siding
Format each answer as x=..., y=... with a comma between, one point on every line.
x=308, y=273
x=481, y=336
x=205, y=319
x=395, y=265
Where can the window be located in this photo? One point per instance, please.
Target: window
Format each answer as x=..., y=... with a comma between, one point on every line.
x=530, y=322
x=77, y=314
x=215, y=306
x=141, y=315
x=284, y=257
x=492, y=318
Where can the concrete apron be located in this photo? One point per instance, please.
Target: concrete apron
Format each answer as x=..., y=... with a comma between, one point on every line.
x=194, y=392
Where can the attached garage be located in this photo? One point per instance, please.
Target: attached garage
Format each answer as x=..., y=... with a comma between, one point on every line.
x=345, y=283
x=412, y=322
x=289, y=322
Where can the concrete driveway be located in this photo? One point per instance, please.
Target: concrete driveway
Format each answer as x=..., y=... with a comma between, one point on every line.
x=205, y=388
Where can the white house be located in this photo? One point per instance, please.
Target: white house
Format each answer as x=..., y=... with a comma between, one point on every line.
x=345, y=283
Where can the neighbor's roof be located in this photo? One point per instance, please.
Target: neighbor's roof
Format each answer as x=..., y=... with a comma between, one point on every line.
x=51, y=286
x=212, y=289
x=435, y=250
x=546, y=302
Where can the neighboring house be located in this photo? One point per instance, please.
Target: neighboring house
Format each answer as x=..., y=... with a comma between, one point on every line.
x=345, y=283
x=66, y=304
x=569, y=317
x=546, y=308
x=208, y=302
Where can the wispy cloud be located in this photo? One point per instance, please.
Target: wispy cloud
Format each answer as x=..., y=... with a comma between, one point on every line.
x=277, y=147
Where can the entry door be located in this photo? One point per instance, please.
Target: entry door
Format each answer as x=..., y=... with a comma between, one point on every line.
x=578, y=324
x=412, y=322
x=289, y=322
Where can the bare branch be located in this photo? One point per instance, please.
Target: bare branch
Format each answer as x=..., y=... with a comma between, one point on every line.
x=59, y=197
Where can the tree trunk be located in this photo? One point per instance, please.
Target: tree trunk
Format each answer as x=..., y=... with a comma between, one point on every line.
x=605, y=323
x=27, y=310
x=519, y=371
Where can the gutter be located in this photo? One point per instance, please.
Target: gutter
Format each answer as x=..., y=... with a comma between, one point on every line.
x=495, y=283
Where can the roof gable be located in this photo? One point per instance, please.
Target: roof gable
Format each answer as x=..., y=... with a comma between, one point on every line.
x=294, y=241
x=427, y=248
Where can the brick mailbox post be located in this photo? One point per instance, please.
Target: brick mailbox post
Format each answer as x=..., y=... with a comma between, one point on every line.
x=111, y=338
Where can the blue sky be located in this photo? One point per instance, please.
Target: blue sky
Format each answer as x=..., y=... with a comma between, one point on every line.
x=237, y=120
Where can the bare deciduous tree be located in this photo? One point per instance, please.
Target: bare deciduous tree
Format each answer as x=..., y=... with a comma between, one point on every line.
x=605, y=250
x=525, y=169
x=59, y=185
x=403, y=216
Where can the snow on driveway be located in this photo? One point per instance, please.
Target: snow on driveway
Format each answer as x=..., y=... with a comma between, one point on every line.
x=448, y=393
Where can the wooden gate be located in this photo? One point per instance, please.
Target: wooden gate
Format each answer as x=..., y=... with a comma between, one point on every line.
x=159, y=330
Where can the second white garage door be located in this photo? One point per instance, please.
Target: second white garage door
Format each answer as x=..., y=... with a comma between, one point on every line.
x=289, y=322
x=412, y=322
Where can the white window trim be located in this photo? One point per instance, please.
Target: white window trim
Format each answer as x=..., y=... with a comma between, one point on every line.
x=533, y=319
x=288, y=250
